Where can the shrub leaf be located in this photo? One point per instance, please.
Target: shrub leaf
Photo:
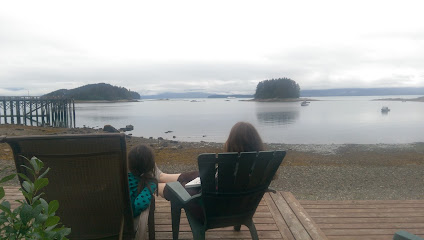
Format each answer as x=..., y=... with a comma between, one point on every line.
x=7, y=178
x=53, y=206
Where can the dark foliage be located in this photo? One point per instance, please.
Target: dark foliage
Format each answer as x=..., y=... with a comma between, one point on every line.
x=99, y=91
x=277, y=88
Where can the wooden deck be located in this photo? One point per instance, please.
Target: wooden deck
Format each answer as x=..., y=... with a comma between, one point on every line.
x=281, y=216
x=369, y=219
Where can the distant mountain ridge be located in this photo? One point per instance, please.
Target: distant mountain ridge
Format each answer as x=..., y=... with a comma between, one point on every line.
x=231, y=95
x=98, y=91
x=362, y=92
x=303, y=93
x=177, y=95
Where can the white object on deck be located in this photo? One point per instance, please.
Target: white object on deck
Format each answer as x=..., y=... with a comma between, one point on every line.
x=193, y=183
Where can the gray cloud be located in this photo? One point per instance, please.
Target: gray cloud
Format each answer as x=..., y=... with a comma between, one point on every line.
x=170, y=56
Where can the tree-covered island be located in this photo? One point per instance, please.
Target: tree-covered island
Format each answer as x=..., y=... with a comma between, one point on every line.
x=277, y=89
x=97, y=92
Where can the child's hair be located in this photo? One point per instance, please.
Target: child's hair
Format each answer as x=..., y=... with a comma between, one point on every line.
x=243, y=138
x=141, y=163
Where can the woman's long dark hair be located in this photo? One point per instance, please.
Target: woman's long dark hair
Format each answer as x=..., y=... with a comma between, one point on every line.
x=243, y=138
x=141, y=163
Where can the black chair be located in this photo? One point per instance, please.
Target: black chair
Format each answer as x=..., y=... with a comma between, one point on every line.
x=232, y=185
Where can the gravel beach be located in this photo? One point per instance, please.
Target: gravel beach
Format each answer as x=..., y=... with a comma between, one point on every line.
x=313, y=172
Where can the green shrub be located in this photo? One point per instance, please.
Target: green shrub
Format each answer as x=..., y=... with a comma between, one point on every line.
x=33, y=218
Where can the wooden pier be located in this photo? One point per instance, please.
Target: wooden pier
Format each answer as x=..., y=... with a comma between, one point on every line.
x=38, y=111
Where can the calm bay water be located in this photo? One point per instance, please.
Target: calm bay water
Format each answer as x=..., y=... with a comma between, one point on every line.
x=335, y=120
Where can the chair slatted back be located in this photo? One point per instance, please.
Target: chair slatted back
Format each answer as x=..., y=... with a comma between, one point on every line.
x=88, y=177
x=233, y=184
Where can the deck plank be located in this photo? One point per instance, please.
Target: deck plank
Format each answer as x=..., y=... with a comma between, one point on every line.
x=290, y=217
x=304, y=218
x=278, y=218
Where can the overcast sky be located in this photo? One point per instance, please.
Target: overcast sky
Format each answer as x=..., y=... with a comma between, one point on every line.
x=216, y=46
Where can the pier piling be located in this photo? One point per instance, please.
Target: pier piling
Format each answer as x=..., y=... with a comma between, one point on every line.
x=41, y=111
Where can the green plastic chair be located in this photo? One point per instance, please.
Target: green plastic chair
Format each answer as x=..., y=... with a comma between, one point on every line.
x=404, y=235
x=232, y=185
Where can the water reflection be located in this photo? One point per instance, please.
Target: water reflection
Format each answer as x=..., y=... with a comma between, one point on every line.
x=277, y=118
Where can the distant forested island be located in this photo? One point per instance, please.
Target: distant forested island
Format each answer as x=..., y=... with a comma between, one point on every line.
x=96, y=92
x=281, y=88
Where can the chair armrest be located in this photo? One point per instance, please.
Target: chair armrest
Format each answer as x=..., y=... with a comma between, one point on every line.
x=404, y=235
x=178, y=192
x=270, y=190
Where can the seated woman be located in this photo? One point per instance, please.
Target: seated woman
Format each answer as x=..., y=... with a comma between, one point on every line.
x=243, y=137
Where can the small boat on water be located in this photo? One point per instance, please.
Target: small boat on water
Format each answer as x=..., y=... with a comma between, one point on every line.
x=385, y=109
x=304, y=103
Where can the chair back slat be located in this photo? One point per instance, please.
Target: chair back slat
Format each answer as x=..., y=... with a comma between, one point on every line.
x=262, y=161
x=207, y=163
x=272, y=167
x=88, y=177
x=225, y=171
x=244, y=170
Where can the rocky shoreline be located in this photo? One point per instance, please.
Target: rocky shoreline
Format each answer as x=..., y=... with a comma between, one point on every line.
x=325, y=171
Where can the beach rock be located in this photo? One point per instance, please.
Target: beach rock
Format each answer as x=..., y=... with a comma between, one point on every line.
x=109, y=128
x=129, y=127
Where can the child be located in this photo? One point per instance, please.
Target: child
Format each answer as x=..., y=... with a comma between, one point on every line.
x=141, y=177
x=145, y=177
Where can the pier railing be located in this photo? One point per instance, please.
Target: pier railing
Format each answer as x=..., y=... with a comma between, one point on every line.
x=38, y=111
